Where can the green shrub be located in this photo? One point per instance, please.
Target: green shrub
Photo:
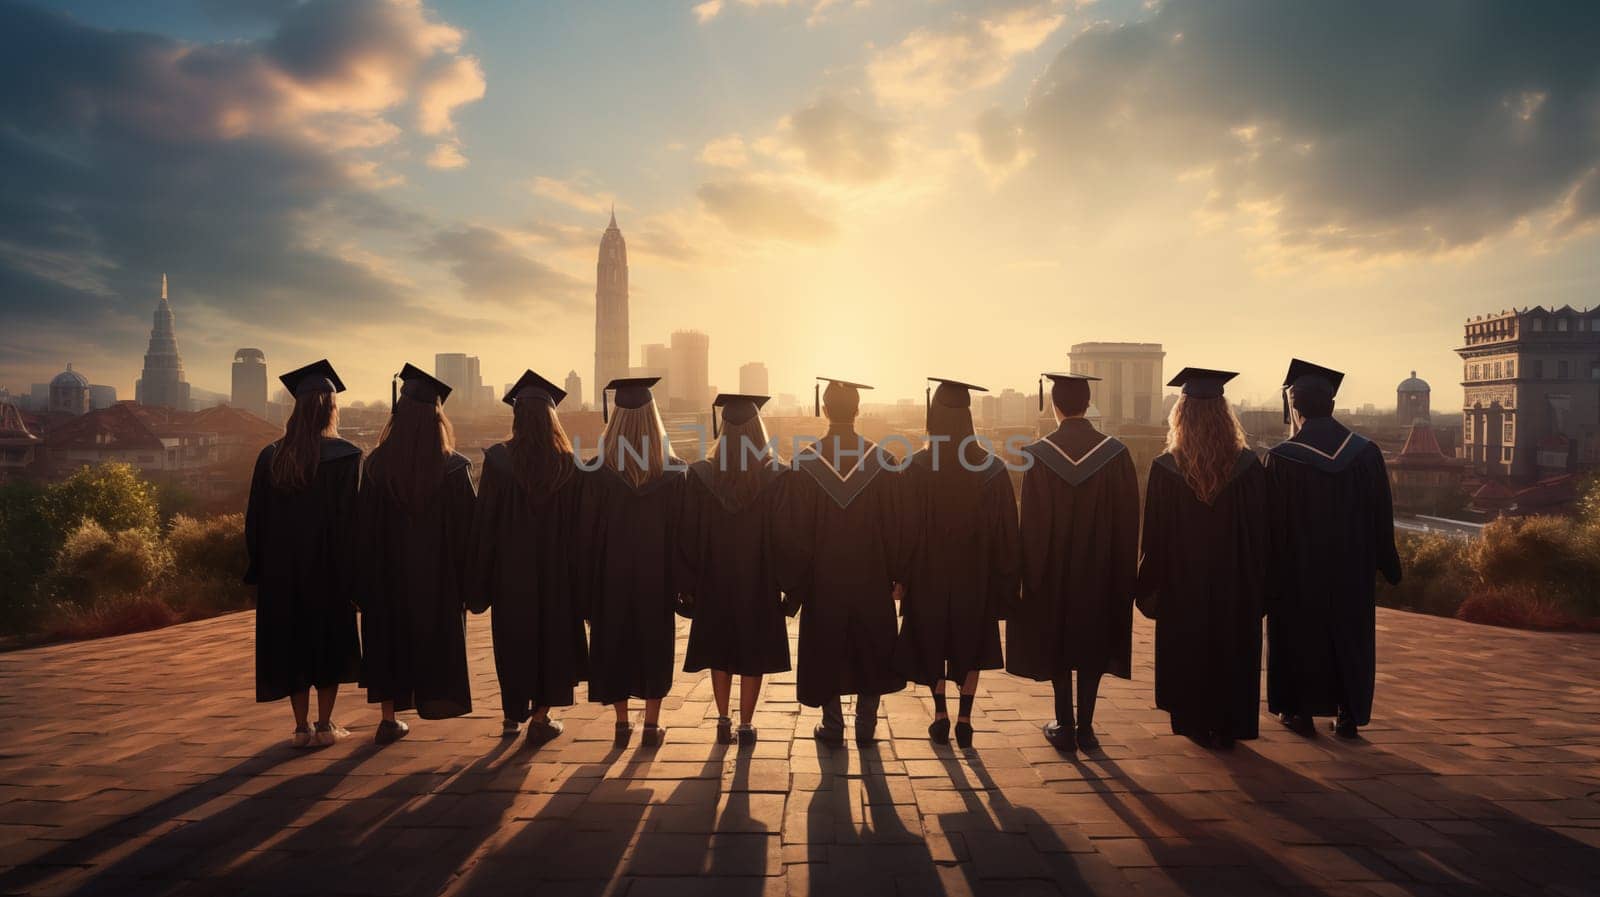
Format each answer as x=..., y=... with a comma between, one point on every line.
x=113, y=615
x=1557, y=557
x=213, y=547
x=1438, y=575
x=94, y=564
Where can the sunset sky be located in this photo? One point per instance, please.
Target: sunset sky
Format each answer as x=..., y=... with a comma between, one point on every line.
x=874, y=190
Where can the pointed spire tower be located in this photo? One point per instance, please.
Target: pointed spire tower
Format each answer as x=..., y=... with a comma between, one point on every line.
x=611, y=307
x=162, y=382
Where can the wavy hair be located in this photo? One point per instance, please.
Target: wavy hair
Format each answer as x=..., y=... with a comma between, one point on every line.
x=294, y=462
x=408, y=462
x=634, y=443
x=1205, y=438
x=541, y=452
x=739, y=455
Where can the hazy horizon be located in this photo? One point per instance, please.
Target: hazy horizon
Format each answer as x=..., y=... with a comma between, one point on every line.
x=880, y=191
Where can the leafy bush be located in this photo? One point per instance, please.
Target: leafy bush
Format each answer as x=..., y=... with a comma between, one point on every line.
x=1557, y=557
x=1438, y=575
x=213, y=547
x=113, y=615
x=1520, y=606
x=95, y=564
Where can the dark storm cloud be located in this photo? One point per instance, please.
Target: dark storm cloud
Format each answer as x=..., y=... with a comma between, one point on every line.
x=1364, y=126
x=491, y=268
x=237, y=167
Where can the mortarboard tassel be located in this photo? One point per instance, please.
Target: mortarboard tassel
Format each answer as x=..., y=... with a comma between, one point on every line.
x=1041, y=395
x=1286, y=405
x=816, y=399
x=714, y=433
x=394, y=392
x=605, y=412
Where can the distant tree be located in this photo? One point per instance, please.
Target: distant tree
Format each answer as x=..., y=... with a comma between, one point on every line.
x=28, y=544
x=112, y=495
x=1589, y=499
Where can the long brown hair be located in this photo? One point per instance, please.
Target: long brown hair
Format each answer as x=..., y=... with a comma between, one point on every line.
x=739, y=455
x=408, y=462
x=294, y=463
x=953, y=426
x=634, y=443
x=1205, y=438
x=541, y=453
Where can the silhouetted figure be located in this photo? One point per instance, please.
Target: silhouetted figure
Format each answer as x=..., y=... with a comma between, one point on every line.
x=632, y=506
x=416, y=522
x=842, y=531
x=728, y=547
x=1203, y=566
x=299, y=530
x=526, y=562
x=962, y=576
x=1333, y=528
x=1080, y=538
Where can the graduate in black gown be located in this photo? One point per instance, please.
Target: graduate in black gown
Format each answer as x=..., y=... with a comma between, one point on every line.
x=1080, y=542
x=962, y=577
x=299, y=530
x=416, y=532
x=632, y=507
x=844, y=556
x=526, y=564
x=1203, y=566
x=727, y=545
x=1333, y=528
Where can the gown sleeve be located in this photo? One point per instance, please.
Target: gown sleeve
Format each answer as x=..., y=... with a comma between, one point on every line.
x=795, y=514
x=483, y=563
x=254, y=515
x=346, y=495
x=689, y=539
x=1125, y=537
x=459, y=502
x=1005, y=549
x=1383, y=526
x=1155, y=544
x=588, y=540
x=1035, y=532
x=368, y=560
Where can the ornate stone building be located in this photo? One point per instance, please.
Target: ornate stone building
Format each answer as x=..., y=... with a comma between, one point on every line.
x=1411, y=400
x=611, y=308
x=1130, y=387
x=1423, y=478
x=69, y=392
x=1531, y=379
x=162, y=382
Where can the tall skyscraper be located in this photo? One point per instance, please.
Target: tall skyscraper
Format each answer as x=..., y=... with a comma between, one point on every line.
x=656, y=361
x=753, y=379
x=162, y=382
x=574, y=388
x=1129, y=390
x=690, y=370
x=611, y=307
x=464, y=375
x=250, y=381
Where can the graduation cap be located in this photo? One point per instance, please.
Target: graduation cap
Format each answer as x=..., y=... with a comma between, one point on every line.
x=837, y=391
x=318, y=376
x=1202, y=383
x=737, y=408
x=950, y=393
x=1062, y=386
x=1305, y=377
x=533, y=387
x=418, y=385
x=632, y=392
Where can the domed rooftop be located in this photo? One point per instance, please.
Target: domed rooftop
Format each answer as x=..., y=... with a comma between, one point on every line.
x=70, y=377
x=1414, y=383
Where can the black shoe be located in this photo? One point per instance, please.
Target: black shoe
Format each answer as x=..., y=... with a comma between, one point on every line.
x=543, y=730
x=829, y=737
x=510, y=728
x=724, y=730
x=747, y=735
x=1299, y=724
x=1061, y=737
x=867, y=737
x=963, y=735
x=939, y=731
x=1345, y=727
x=390, y=731
x=652, y=736
x=1087, y=740
x=624, y=732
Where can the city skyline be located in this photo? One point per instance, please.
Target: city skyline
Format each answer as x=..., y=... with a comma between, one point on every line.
x=940, y=176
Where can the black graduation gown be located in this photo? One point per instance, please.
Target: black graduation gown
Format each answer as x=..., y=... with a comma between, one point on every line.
x=1080, y=542
x=843, y=554
x=963, y=573
x=1333, y=529
x=300, y=560
x=730, y=568
x=413, y=596
x=1202, y=578
x=527, y=569
x=629, y=539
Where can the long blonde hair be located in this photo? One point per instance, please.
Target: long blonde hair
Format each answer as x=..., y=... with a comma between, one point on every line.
x=635, y=444
x=1205, y=438
x=740, y=454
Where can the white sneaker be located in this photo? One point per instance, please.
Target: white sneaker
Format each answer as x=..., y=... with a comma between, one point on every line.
x=301, y=737
x=330, y=733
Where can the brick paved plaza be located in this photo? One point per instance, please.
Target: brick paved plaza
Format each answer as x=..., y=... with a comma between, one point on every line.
x=139, y=765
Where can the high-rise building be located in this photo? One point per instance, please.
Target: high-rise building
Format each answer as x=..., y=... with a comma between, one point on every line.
x=69, y=392
x=464, y=376
x=753, y=379
x=250, y=381
x=611, y=307
x=1129, y=390
x=574, y=388
x=655, y=360
x=101, y=396
x=690, y=370
x=1531, y=379
x=162, y=382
